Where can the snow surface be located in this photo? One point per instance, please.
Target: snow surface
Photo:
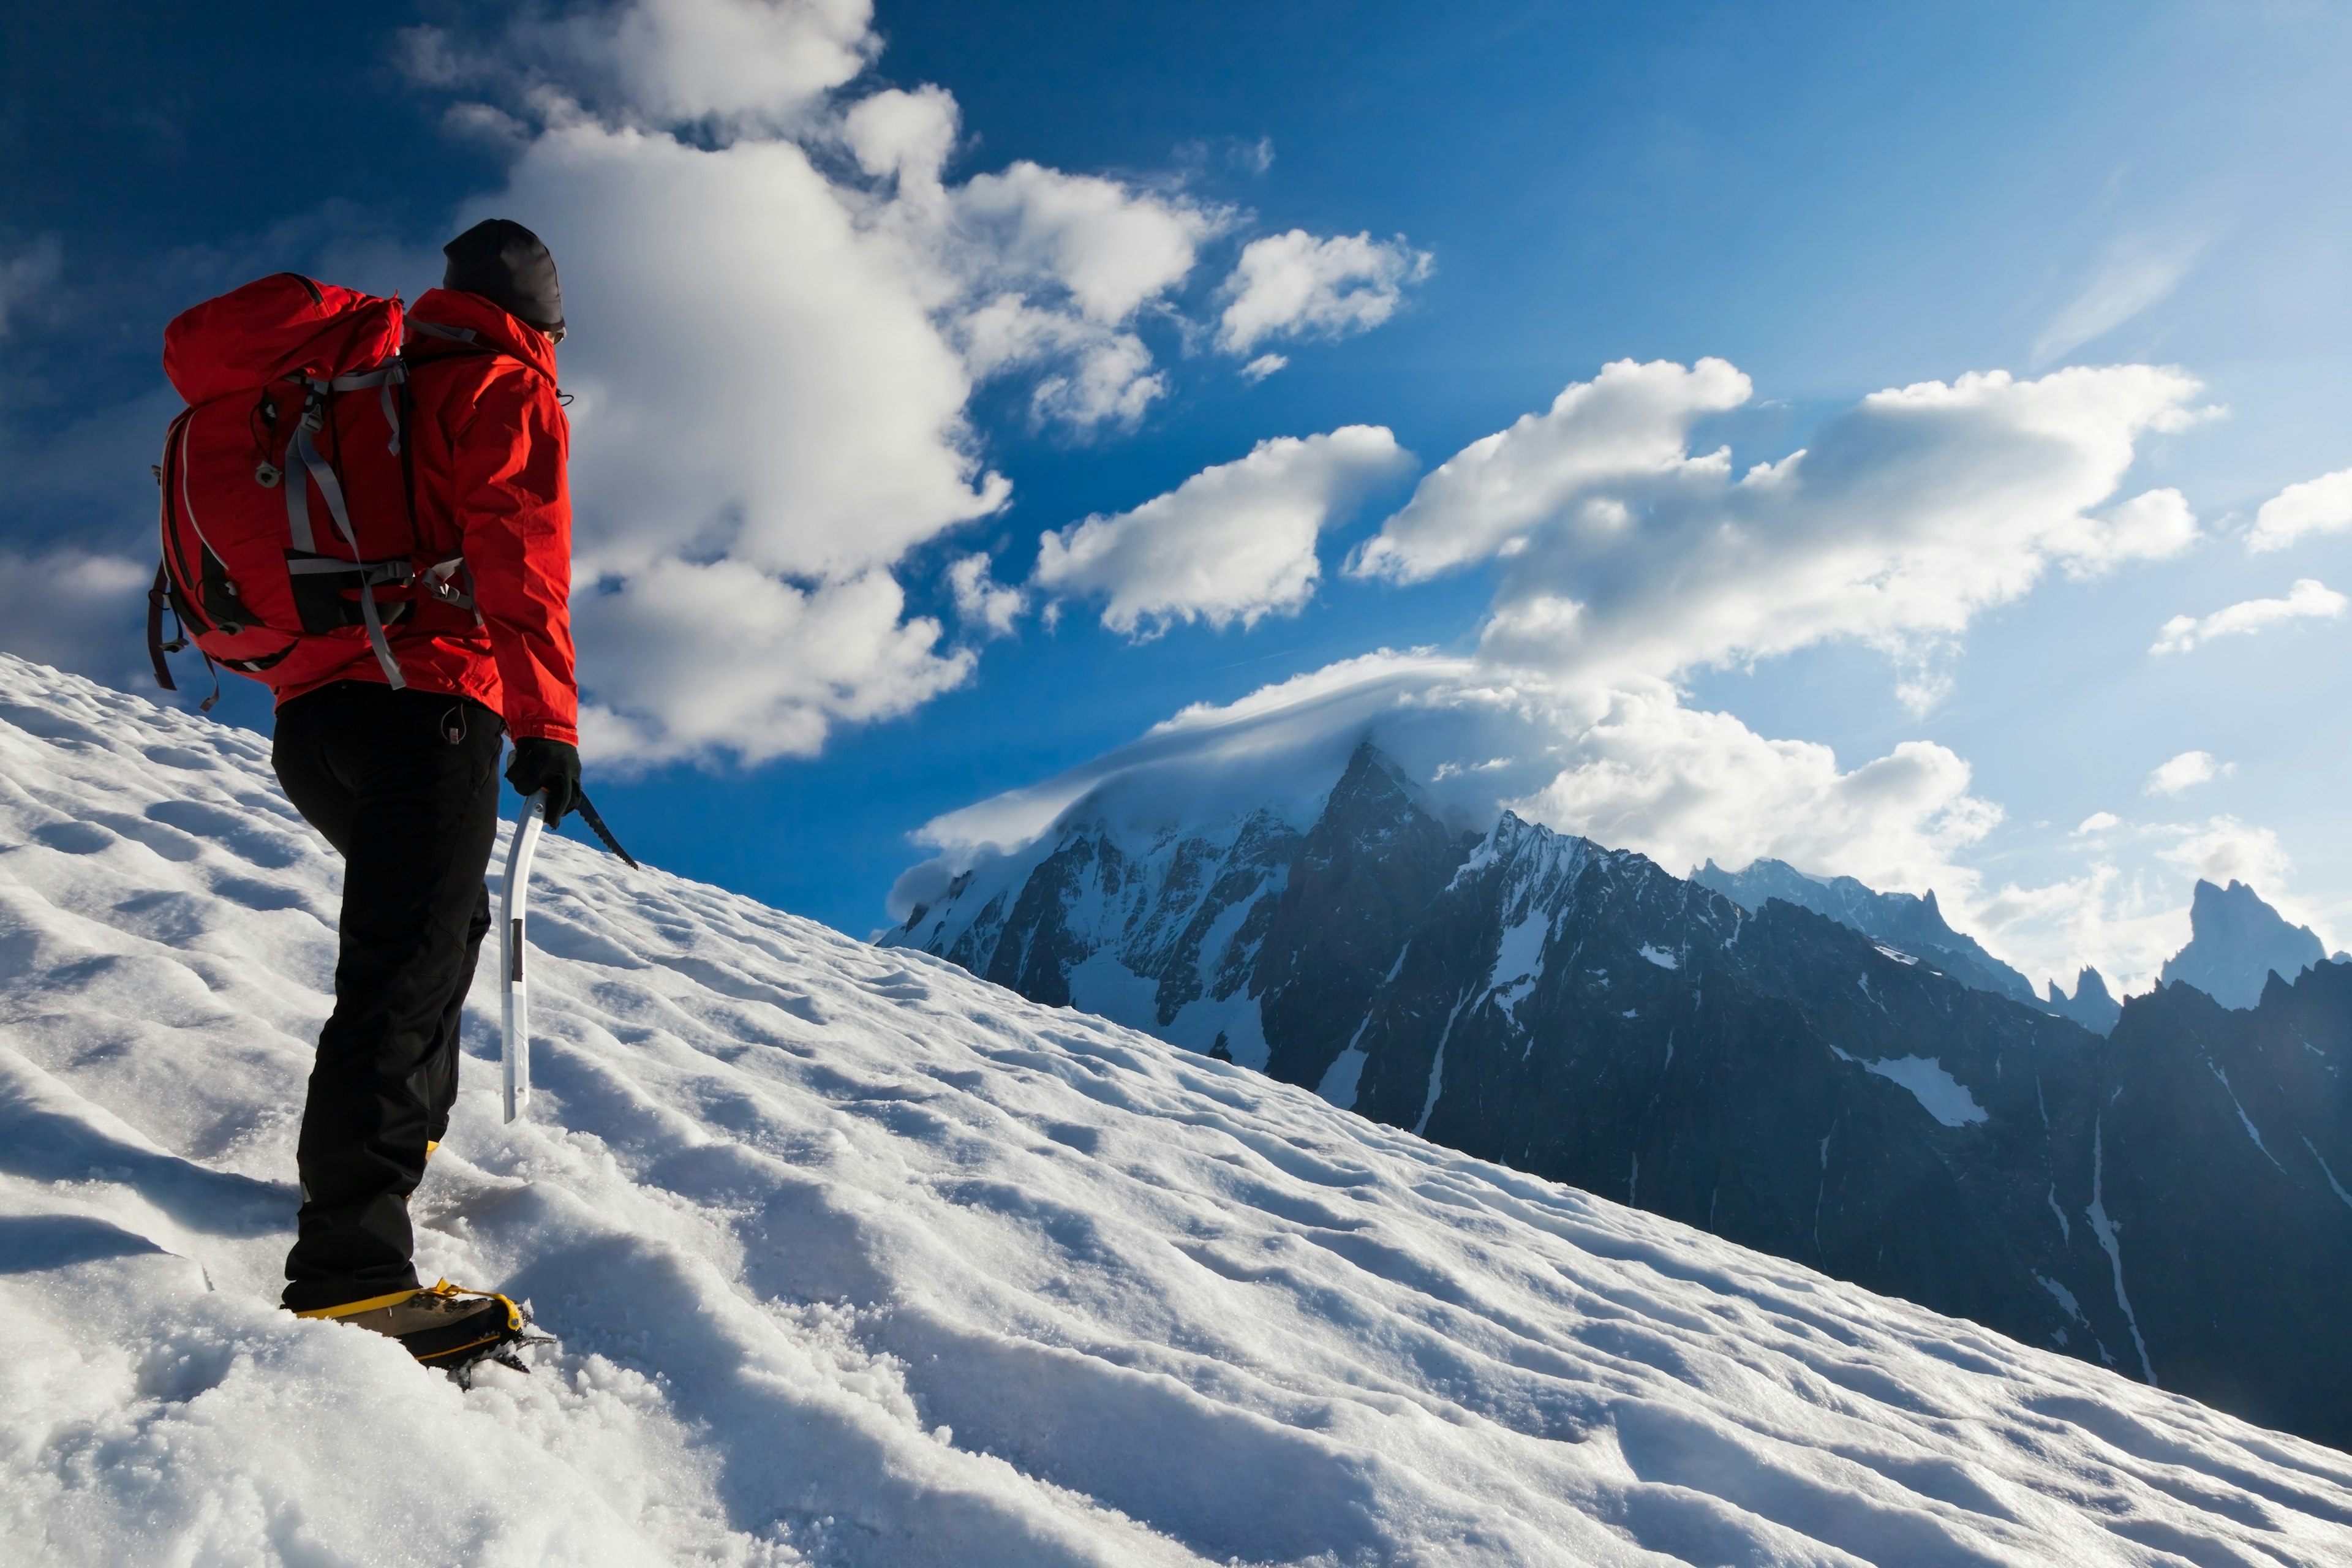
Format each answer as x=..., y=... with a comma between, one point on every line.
x=1103, y=985
x=1946, y=1098
x=1941, y=1094
x=857, y=1259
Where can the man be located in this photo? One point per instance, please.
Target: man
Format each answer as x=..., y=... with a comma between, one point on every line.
x=403, y=783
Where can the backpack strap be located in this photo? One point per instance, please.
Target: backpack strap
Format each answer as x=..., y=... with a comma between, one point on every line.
x=331, y=490
x=156, y=646
x=460, y=342
x=384, y=378
x=158, y=599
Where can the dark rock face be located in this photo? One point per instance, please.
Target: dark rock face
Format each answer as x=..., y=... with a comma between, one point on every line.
x=1914, y=924
x=2236, y=942
x=1365, y=873
x=2168, y=1201
x=1779, y=1079
x=2225, y=1145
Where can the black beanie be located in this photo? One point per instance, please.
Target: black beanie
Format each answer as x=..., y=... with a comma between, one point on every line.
x=505, y=264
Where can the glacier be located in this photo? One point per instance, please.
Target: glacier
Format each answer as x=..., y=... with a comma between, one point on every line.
x=854, y=1258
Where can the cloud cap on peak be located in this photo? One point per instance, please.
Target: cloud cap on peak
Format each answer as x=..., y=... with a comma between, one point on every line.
x=1633, y=769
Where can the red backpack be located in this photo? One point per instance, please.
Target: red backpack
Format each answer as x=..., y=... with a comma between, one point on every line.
x=288, y=510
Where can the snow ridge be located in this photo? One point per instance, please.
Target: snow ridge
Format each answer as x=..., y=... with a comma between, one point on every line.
x=856, y=1259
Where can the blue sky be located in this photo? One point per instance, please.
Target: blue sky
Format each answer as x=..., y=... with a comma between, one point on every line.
x=1834, y=199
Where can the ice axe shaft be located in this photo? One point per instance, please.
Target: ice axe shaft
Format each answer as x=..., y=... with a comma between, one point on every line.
x=514, y=1047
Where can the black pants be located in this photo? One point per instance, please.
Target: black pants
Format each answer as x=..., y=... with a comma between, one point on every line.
x=406, y=785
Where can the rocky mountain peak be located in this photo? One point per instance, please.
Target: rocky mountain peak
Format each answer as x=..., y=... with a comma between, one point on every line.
x=2235, y=941
x=1367, y=868
x=1915, y=924
x=2091, y=1006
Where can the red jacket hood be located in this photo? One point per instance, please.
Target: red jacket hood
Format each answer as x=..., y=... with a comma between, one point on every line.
x=471, y=313
x=276, y=327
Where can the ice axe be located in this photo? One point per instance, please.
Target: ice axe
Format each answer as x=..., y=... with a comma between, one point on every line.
x=514, y=1046
x=514, y=1017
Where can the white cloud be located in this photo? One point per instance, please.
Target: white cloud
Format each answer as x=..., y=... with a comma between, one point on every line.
x=780, y=308
x=2323, y=505
x=1236, y=542
x=2136, y=272
x=1112, y=247
x=1042, y=272
x=1264, y=366
x=1088, y=375
x=25, y=274
x=2309, y=599
x=1030, y=270
x=2128, y=911
x=724, y=659
x=2124, y=923
x=766, y=488
x=2226, y=849
x=1629, y=424
x=1280, y=746
x=903, y=136
x=71, y=608
x=832, y=448
x=1684, y=787
x=748, y=65
x=1626, y=556
x=2098, y=822
x=1293, y=284
x=981, y=602
x=2186, y=772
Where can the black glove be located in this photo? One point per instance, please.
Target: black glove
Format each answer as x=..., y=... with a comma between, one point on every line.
x=551, y=765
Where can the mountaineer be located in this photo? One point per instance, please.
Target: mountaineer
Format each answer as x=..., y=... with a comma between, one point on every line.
x=368, y=512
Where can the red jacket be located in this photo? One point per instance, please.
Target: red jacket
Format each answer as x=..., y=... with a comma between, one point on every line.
x=489, y=443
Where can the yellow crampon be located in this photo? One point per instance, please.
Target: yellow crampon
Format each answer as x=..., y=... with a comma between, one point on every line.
x=366, y=1304
x=442, y=1324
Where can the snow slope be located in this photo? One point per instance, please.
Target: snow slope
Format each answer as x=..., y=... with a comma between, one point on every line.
x=857, y=1259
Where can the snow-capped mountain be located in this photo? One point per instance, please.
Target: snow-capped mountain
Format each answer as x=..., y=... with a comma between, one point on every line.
x=1242, y=935
x=1775, y=1078
x=2236, y=942
x=855, y=1260
x=1914, y=923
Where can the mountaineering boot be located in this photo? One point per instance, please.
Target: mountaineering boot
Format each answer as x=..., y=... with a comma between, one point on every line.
x=441, y=1326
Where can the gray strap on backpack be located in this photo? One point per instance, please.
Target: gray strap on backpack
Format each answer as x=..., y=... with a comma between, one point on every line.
x=331, y=490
